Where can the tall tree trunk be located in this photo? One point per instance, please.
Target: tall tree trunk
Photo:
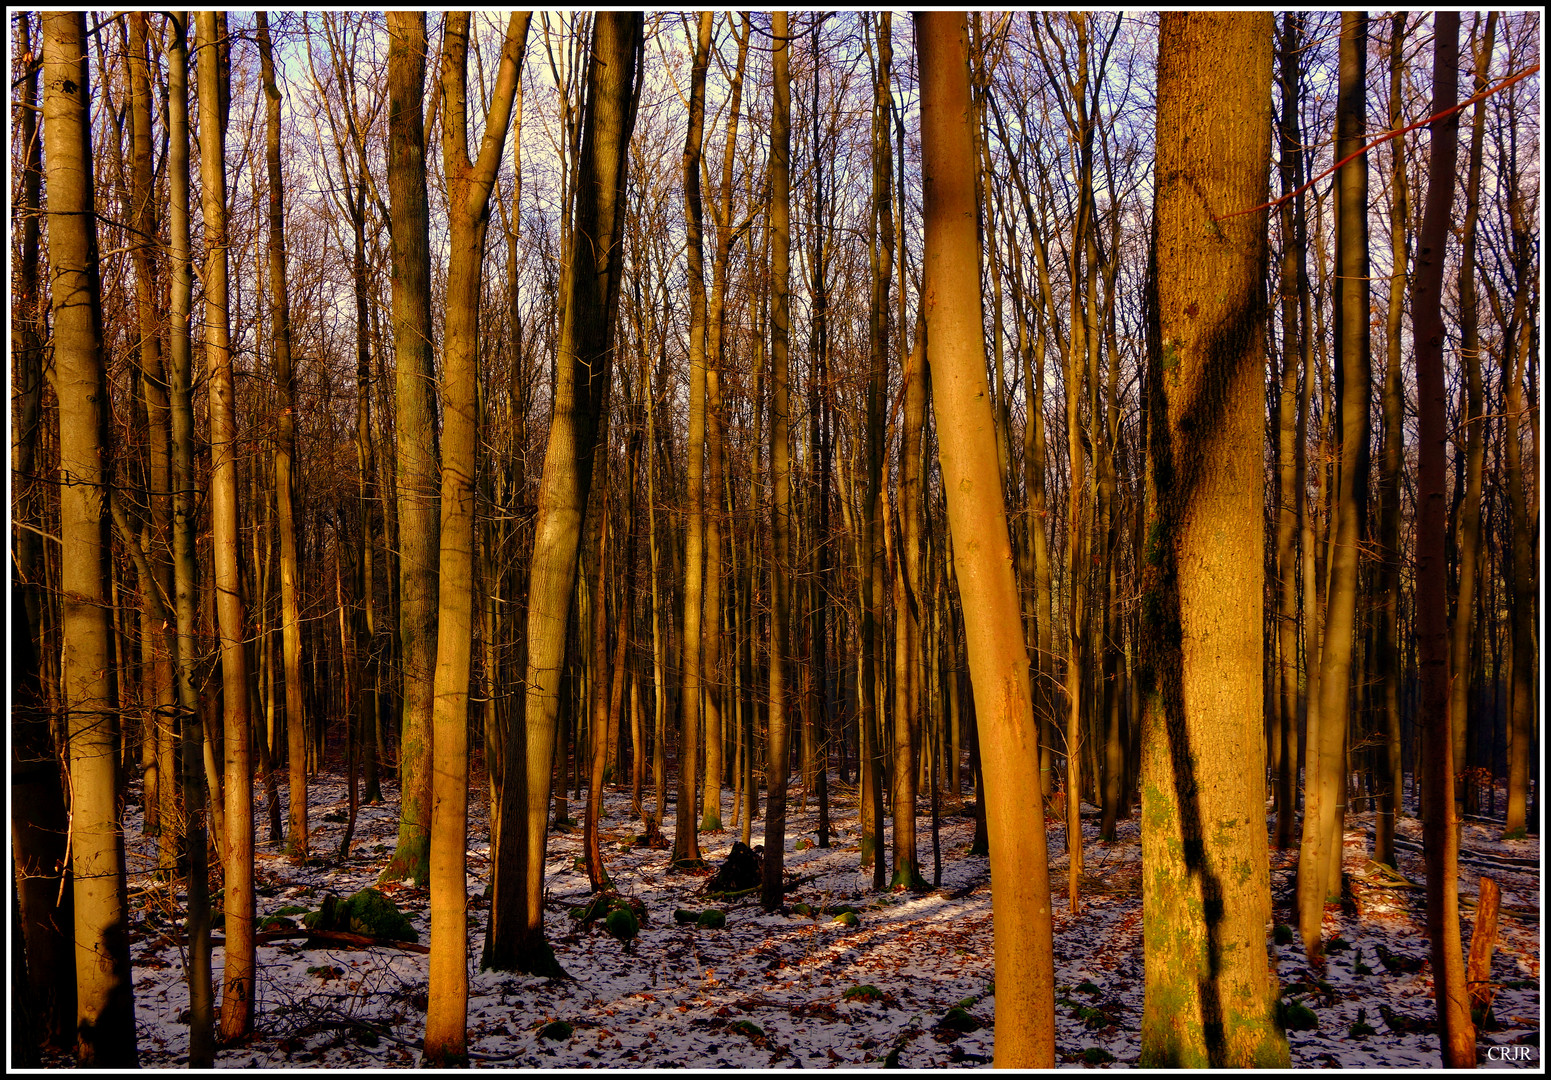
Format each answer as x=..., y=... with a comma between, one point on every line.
x=185, y=586
x=589, y=297
x=1319, y=858
x=1469, y=539
x=105, y=1008
x=686, y=844
x=1289, y=493
x=415, y=427
x=978, y=520
x=881, y=251
x=1456, y=1033
x=39, y=818
x=780, y=464
x=711, y=623
x=285, y=456
x=1211, y=997
x=469, y=185
x=231, y=615
x=1392, y=459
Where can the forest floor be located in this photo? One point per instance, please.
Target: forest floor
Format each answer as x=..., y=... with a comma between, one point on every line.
x=793, y=990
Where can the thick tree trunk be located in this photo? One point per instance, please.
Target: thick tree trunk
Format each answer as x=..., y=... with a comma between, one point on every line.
x=105, y=1008
x=978, y=519
x=415, y=428
x=1211, y=997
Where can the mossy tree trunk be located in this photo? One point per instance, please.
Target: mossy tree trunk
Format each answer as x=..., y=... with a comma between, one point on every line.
x=1210, y=996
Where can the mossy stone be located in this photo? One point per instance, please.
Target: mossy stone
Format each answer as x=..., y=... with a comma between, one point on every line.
x=684, y=917
x=1283, y=934
x=711, y=919
x=1096, y=1055
x=621, y=924
x=555, y=1031
x=846, y=918
x=370, y=912
x=864, y=992
x=1296, y=1016
x=957, y=1019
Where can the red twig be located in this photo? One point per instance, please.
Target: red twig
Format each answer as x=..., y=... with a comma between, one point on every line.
x=1274, y=203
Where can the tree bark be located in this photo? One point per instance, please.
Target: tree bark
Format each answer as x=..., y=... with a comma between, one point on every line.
x=1210, y=997
x=180, y=377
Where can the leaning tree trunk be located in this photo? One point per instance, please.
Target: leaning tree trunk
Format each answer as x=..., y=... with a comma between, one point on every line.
x=977, y=517
x=1211, y=997
x=105, y=1006
x=1456, y=1033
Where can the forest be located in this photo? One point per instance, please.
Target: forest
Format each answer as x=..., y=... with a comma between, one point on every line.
x=826, y=539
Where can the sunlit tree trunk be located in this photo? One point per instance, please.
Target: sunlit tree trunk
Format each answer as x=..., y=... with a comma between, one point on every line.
x=469, y=185
x=415, y=427
x=159, y=688
x=716, y=318
x=1456, y=1033
x=231, y=615
x=780, y=465
x=1210, y=996
x=185, y=586
x=105, y=1008
x=686, y=844
x=978, y=520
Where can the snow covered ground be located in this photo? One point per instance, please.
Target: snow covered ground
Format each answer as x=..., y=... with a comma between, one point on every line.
x=772, y=990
